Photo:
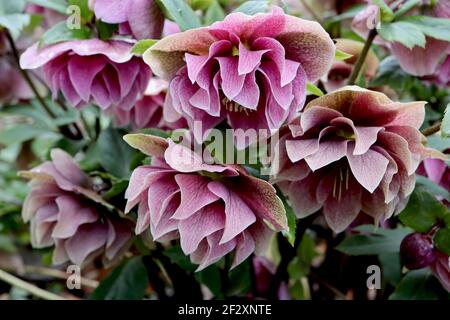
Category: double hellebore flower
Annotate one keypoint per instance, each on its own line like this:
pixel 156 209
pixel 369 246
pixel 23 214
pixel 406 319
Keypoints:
pixel 62 214
pixel 148 111
pixel 340 70
pixel 352 151
pixel 251 70
pixel 212 209
pixel 141 18
pixel 91 71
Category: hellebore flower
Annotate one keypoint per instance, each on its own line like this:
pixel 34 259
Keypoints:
pixel 61 214
pixel 141 18
pixel 212 209
pixel 251 70
pixel 352 151
pixel 148 112
pixel 340 70
pixel 441 269
pixel 101 72
pixel 417 61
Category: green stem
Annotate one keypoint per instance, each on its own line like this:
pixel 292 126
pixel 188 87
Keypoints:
pixel 19 283
pixel 362 57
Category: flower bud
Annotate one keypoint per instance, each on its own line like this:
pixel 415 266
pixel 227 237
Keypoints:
pixel 417 251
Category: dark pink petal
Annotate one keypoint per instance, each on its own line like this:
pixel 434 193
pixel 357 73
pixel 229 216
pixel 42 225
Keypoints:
pixel 248 59
pixel 82 72
pixel 86 241
pixel 328 152
pixel 232 82
pixel 145 19
pixel 112 11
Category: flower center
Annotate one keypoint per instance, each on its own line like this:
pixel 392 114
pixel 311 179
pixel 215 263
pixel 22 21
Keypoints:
pixel 340 181
pixel 346 134
pixel 232 106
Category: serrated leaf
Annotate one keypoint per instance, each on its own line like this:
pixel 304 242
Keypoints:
pixel 126 282
pixel 253 7
pixel 142 46
pixel 406 33
pixel 60 32
pixel 433 27
pixel 445 126
pixel 313 89
pixel 376 242
pixel 181 13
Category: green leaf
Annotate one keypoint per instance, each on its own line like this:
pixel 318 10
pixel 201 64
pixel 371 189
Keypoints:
pixel 83 5
pixel 60 32
pixel 341 55
pixel 20 133
pixel 416 285
pixel 437 28
pixel 7 244
pixel 240 279
pixel 126 282
pixel 214 13
pixel 387 14
pixel 56 5
pixel 432 187
pixel 105 30
pixel 406 33
pixel 423 211
pixel 115 154
pixel 438 142
pixel 15 23
pixel 300 266
pixel 391 266
pixel 313 89
pixel 390 73
pixel 442 240
pixel 253 7
pixel 181 13
pixel 211 278
pixel 177 256
pixel 142 46
pixel 291 218
pixel 445 126
pixel 376 242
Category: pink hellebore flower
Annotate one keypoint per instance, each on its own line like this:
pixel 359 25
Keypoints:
pixel 441 269
pixel 416 61
pixel 148 112
pixel 101 72
pixel 61 213
pixel 437 171
pixel 212 209
pixel 251 70
pixel 352 151
pixel 141 18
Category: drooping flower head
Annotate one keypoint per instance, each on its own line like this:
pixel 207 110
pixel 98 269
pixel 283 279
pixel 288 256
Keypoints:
pixel 91 71
pixel 352 151
pixel 251 70
pixel 340 71
pixel 212 209
pixel 141 18
pixel 418 60
pixel 148 111
pixel 61 213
